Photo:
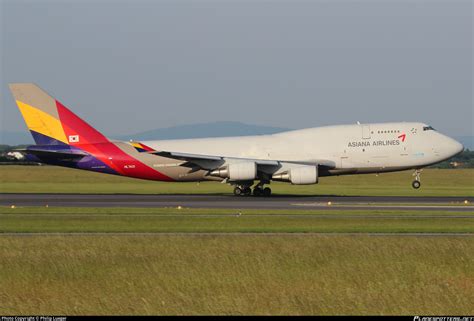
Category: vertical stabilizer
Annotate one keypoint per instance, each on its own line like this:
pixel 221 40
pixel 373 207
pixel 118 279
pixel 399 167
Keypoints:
pixel 49 121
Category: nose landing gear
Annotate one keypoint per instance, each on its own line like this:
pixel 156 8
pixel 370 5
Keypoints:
pixel 416 184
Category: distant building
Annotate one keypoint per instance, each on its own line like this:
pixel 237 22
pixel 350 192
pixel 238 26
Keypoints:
pixel 456 164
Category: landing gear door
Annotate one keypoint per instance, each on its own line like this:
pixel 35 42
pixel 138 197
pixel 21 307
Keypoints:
pixel 365 131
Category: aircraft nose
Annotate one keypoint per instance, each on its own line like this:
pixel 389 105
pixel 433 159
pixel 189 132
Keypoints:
pixel 456 147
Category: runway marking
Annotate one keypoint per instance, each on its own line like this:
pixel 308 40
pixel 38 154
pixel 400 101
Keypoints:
pixel 382 205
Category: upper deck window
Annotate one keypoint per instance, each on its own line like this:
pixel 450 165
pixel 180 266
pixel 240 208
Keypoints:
pixel 428 128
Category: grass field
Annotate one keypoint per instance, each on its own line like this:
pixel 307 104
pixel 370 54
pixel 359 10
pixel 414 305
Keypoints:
pixel 173 220
pixel 50 179
pixel 236 275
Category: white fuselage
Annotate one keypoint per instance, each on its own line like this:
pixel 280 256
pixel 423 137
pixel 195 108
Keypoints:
pixel 358 148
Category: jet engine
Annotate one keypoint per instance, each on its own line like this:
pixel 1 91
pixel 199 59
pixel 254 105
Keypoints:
pixel 301 175
pixel 244 171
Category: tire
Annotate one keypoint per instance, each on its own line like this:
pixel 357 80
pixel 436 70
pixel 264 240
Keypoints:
pixel 416 184
pixel 257 192
pixel 247 191
pixel 237 191
pixel 267 191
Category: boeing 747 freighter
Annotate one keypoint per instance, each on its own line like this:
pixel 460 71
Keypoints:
pixel 298 156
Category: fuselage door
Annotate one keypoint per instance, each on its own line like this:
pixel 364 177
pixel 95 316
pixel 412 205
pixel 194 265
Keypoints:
pixel 365 131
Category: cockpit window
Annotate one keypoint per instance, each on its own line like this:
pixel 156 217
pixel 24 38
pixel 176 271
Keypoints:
pixel 428 128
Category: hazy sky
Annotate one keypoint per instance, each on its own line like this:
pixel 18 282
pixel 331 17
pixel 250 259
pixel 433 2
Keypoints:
pixel 128 66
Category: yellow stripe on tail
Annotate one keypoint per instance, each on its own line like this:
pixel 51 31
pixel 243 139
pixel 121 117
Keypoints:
pixel 42 122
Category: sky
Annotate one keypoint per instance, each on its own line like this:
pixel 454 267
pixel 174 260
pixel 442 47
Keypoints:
pixel 130 66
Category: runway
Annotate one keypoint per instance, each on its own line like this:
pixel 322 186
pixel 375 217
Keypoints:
pixel 323 202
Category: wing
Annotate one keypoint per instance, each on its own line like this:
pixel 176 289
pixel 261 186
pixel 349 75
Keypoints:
pixel 220 165
pixel 262 162
pixel 213 162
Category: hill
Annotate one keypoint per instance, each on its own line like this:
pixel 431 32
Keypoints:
pixel 214 129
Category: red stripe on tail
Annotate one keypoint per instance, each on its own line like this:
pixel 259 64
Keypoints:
pixel 84 136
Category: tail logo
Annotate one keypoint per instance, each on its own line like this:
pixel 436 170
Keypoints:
pixel 51 123
pixel 73 138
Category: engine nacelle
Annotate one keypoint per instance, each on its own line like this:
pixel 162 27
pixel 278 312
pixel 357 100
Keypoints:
pixel 301 175
pixel 244 171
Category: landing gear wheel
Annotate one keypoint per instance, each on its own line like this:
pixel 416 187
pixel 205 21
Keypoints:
pixel 416 184
pixel 238 191
pixel 247 191
pixel 267 191
pixel 257 191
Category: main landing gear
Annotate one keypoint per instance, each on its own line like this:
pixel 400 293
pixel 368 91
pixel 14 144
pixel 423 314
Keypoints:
pixel 258 190
pixel 416 183
pixel 242 190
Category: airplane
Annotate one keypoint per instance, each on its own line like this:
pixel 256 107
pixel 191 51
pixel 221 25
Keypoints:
pixel 298 157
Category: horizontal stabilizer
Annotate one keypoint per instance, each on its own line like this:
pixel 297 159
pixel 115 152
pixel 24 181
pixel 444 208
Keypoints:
pixel 64 154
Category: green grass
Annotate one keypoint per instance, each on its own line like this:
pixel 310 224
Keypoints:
pixel 50 179
pixel 33 220
pixel 236 275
